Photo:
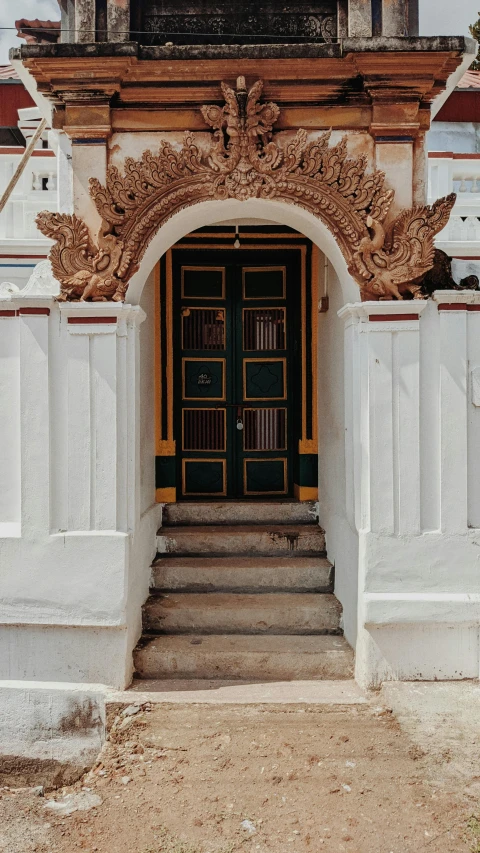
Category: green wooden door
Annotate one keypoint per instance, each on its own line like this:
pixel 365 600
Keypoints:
pixel 235 319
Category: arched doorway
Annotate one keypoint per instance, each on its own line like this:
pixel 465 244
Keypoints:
pixel 327 435
pixel 290 241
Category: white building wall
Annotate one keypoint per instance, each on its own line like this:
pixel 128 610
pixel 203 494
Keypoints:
pixel 460 137
pixel 419 602
pixel 22 245
pixel 147 395
pixel 398 474
pixel 9 423
pixel 449 171
pixel 75 545
pixel 336 486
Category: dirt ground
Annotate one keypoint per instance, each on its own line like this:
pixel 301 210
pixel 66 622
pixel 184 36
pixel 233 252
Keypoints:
pixel 219 779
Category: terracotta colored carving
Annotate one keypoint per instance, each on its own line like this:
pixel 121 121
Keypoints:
pixel 390 264
pixel 85 271
pixel 244 161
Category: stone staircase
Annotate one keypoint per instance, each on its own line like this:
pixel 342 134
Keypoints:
pixel 242 591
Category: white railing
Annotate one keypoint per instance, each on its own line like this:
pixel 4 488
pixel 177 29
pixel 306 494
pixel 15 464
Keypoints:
pixel 459 173
pixel 35 191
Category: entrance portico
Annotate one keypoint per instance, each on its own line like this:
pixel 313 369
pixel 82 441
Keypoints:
pixel 97 398
pixel 391 477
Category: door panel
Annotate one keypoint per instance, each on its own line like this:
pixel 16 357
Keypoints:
pixel 204 378
pixel 204 478
pixel 234 368
pixel 264 329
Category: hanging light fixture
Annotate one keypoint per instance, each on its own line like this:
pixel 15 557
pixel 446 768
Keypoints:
pixel 236 244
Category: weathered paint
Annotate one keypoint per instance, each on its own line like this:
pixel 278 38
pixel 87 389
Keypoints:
pixel 118 20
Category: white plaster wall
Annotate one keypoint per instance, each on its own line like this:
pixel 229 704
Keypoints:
pixel 416 449
pixel 49 734
pixel 147 396
pixel 18 273
pixel 399 432
pixel 143 542
pixel 461 137
pixel 9 422
pixel 341 535
pixel 76 542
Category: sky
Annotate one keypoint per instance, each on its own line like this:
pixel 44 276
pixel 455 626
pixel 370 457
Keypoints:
pixel 446 18
pixel 12 10
pixel 437 17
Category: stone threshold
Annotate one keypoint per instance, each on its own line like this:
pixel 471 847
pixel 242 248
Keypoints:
pixel 240 693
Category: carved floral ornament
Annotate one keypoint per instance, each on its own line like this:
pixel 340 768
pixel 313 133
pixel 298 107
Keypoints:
pixel 244 161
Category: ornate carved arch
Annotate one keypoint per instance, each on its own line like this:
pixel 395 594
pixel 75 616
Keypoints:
pixel 244 161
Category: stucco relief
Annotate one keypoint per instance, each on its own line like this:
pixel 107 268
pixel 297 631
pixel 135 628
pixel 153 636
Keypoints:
pixel 244 161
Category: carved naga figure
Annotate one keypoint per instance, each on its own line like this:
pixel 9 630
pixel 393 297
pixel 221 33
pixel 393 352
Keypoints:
pixel 391 263
pixel 84 270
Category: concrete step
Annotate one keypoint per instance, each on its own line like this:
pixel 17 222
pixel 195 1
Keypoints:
pixel 242 574
pixel 265 658
pixel 261 540
pixel 237 613
pixel 239 512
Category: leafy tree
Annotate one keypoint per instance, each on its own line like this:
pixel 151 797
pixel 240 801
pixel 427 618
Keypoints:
pixel 475 31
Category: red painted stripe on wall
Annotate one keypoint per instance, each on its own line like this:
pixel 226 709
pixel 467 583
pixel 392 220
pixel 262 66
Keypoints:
pixel 452 306
pixel 40 311
pixel 88 320
pixel 8 313
pixel 382 318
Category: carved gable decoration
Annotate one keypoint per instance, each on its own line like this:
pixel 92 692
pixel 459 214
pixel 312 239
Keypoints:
pixel 244 161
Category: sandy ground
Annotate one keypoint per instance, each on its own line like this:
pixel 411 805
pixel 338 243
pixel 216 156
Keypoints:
pixel 219 779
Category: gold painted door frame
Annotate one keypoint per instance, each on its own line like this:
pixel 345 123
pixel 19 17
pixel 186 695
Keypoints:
pixel 164 365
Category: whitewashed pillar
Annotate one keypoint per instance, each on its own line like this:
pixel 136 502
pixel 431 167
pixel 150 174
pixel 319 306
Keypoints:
pixel 473 406
pixel 34 321
pixel 25 415
pixel 10 504
pixel 452 309
pixel 97 432
pixel 440 175
pixel 383 415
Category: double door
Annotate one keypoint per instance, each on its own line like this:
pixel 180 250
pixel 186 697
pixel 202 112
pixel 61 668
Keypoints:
pixel 234 351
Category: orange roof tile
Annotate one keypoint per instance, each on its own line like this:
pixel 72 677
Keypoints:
pixel 470 80
pixel 38 32
pixel 7 72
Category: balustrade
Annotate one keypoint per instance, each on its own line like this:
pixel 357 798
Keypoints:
pixel 458 173
pixel 35 191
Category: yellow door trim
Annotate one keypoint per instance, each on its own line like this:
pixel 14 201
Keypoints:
pixel 305 493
